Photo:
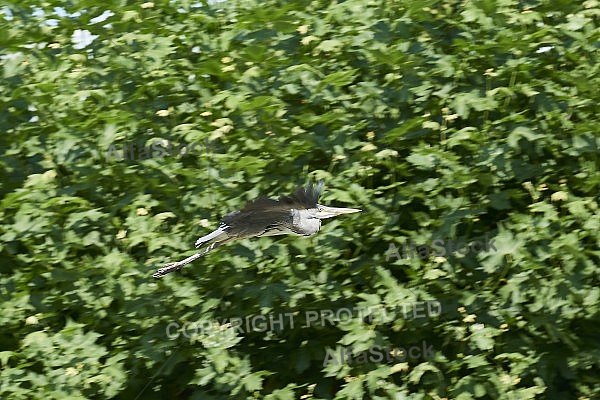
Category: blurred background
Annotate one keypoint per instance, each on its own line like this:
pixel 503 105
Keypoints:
pixel 441 120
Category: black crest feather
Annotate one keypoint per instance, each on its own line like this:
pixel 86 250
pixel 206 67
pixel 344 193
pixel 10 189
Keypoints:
pixel 304 197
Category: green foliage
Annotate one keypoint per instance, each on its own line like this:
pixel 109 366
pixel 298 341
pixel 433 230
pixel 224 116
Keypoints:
pixel 440 119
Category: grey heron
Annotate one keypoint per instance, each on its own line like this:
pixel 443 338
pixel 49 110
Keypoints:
pixel 297 214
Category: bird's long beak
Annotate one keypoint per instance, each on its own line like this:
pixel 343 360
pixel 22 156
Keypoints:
pixel 328 212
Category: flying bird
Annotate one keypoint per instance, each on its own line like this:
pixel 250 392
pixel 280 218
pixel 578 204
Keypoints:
pixel 297 214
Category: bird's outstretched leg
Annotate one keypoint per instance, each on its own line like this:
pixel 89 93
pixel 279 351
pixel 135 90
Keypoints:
pixel 174 266
pixel 219 235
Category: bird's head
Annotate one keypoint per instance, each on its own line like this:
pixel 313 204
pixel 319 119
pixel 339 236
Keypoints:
pixel 322 212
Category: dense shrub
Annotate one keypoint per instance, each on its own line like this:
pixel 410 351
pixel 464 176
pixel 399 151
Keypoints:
pixel 442 120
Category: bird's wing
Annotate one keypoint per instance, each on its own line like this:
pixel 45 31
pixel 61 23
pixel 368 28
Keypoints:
pixel 254 220
pixel 263 216
pixel 302 198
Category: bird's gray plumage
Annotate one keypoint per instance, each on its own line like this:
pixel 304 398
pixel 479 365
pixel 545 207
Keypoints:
pixel 297 214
